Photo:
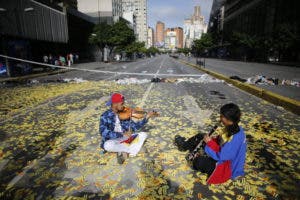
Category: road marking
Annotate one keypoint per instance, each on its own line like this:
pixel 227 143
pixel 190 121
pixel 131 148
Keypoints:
pixel 3 163
pixel 194 113
pixel 145 96
pixel 20 175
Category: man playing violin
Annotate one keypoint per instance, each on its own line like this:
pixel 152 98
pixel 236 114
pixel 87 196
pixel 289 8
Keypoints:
pixel 115 132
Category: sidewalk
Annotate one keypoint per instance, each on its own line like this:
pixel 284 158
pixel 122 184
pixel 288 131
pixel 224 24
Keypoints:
pixel 245 70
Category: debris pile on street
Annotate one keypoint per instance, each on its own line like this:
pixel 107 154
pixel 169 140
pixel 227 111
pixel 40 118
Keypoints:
pixel 201 79
pixel 74 80
pixel 127 81
pixel 65 80
pixel 291 82
pixel 263 80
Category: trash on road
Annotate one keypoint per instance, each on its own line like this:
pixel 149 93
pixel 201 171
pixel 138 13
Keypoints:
pixel 202 79
pixel 262 80
pixel 74 80
pixel 238 79
pixel 65 80
pixel 291 82
pixel 128 81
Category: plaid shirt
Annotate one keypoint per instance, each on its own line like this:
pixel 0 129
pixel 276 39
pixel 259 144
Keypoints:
pixel 107 126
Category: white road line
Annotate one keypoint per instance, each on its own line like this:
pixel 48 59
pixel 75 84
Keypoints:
pixel 3 163
pixel 20 175
pixel 145 96
pixel 100 71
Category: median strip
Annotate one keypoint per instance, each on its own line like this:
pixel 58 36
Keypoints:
pixel 285 102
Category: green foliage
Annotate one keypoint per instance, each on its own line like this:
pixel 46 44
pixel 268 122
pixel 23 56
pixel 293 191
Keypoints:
pixel 121 34
pixel 244 40
pixel 135 47
pixel 281 42
pixel 118 35
pixel 200 45
pixel 152 51
pixel 101 35
pixel 184 50
pixel 285 37
pixel 120 38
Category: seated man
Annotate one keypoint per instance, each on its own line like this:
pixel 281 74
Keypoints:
pixel 225 154
pixel 115 131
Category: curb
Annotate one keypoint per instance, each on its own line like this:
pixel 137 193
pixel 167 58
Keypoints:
pixel 20 78
pixel 285 102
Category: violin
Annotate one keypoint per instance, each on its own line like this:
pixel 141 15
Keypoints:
pixel 136 113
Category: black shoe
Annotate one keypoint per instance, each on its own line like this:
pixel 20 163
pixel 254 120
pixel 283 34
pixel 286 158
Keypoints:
pixel 180 143
pixel 120 158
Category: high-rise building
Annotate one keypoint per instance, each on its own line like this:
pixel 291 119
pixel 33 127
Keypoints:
pixel 150 40
pixel 174 38
pixel 138 10
pixel 263 20
pixel 194 27
pixel 108 11
pixel 160 34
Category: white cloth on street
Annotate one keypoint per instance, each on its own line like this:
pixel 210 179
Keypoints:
pixel 115 145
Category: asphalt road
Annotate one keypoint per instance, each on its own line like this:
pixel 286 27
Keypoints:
pixel 49 144
pixel 249 69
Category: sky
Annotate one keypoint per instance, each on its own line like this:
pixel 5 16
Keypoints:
pixel 173 12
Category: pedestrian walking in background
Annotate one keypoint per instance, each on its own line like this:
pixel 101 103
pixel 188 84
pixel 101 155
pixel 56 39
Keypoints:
pixel 62 61
pixel 45 59
pixel 72 58
pixel 69 60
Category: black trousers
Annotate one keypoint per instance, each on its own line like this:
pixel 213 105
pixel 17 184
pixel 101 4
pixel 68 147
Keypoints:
pixel 204 164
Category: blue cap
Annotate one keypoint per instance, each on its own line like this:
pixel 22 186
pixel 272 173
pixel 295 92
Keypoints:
pixel 109 102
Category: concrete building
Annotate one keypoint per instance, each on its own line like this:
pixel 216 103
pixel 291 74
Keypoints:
pixel 150 40
pixel 174 38
pixel 108 11
pixel 194 27
pixel 160 34
pixel 31 29
pixel 131 18
pixel 138 11
pixel 259 18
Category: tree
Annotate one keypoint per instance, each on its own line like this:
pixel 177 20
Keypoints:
pixel 200 45
pixel 285 40
pixel 152 51
pixel 134 47
pixel 121 35
pixel 101 36
pixel 184 50
pixel 246 42
pixel 114 37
